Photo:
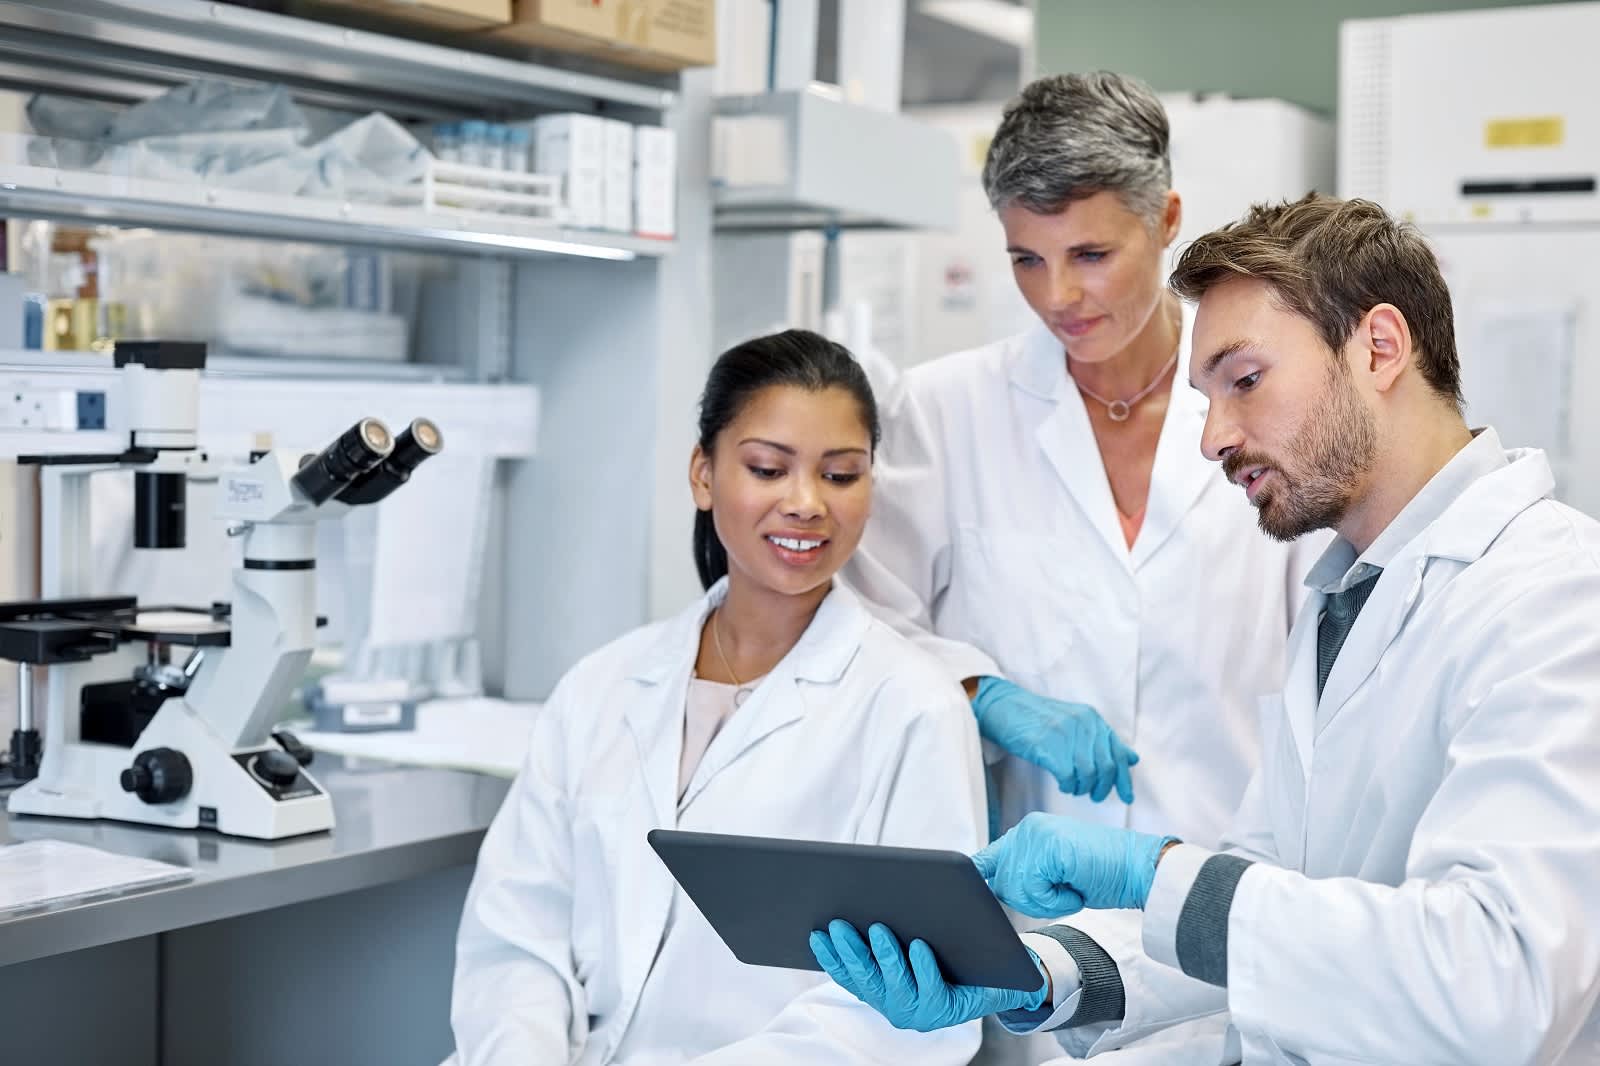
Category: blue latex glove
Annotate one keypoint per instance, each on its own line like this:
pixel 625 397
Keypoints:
pixel 1070 740
pixel 1051 865
pixel 914 995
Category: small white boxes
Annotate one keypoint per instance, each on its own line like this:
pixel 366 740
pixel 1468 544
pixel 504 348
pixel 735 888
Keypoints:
pixel 572 147
pixel 655 184
pixel 618 176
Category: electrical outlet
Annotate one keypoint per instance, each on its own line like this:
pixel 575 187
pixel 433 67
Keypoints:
pixel 91 410
pixel 24 410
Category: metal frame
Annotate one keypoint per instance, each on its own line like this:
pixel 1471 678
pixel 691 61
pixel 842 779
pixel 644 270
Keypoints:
pixel 64 563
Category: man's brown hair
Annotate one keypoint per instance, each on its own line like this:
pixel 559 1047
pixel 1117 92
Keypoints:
pixel 1331 261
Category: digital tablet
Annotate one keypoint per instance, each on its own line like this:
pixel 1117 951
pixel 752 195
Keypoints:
pixel 764 896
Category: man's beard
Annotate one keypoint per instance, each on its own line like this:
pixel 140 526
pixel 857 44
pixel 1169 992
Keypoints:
pixel 1326 460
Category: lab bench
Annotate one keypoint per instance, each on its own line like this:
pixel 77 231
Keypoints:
pixel 330 948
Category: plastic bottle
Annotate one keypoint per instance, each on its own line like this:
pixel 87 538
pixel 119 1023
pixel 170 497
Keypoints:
pixel 474 143
pixel 447 142
pixel 518 162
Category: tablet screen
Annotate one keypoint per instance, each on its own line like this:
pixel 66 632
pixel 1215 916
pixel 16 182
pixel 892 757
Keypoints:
pixel 764 896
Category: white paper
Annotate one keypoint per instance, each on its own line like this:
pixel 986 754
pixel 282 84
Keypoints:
pixel 429 554
pixel 482 735
pixel 38 873
pixel 1516 372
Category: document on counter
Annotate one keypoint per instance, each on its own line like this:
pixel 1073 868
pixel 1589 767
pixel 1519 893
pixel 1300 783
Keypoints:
pixel 43 873
pixel 485 736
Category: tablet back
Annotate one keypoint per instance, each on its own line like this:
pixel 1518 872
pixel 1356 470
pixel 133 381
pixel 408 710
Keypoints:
pixel 764 896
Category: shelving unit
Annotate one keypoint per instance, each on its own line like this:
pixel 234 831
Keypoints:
pixel 612 330
pixel 596 341
pixel 135 48
pixel 102 199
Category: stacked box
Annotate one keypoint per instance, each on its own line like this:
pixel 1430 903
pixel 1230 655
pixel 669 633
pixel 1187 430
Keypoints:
pixel 572 147
pixel 619 176
pixel 655 182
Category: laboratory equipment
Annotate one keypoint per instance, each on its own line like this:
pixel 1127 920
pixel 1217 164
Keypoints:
pixel 131 735
pixel 1503 183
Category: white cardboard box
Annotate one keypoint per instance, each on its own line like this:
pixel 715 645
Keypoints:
pixel 572 147
pixel 655 182
pixel 619 176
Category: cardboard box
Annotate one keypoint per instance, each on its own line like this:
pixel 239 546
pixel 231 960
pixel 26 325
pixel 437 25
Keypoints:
pixel 586 26
pixel 444 14
pixel 663 35
pixel 673 34
pixel 618 175
pixel 572 147
pixel 655 182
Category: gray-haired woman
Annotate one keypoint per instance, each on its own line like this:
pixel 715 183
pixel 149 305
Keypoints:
pixel 1044 519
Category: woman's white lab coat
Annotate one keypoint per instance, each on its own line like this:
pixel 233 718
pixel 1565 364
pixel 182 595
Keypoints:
pixel 994 528
pixel 576 945
pixel 1427 836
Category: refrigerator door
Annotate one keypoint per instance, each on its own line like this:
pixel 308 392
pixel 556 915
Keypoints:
pixel 1529 343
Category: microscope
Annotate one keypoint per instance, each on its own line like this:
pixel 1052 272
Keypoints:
pixel 129 734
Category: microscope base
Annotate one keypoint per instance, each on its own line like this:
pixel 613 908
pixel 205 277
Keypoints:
pixel 230 791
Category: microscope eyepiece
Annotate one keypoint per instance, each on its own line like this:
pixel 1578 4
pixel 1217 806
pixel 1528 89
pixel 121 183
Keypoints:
pixel 417 442
pixel 420 440
pixel 356 451
pixel 375 436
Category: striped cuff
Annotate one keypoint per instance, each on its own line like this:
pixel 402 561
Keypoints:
pixel 1103 999
pixel 1202 934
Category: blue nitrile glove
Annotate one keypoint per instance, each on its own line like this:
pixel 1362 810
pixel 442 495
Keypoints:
pixel 1051 865
pixel 913 996
pixel 1070 740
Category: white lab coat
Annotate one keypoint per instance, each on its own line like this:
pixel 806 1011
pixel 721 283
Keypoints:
pixel 576 944
pixel 1427 837
pixel 994 529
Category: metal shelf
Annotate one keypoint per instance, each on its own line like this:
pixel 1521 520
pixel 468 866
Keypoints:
pixel 221 362
pixel 801 160
pixel 133 48
pixel 236 399
pixel 99 199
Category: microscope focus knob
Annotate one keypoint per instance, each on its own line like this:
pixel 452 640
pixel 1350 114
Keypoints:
pixel 160 775
pixel 277 767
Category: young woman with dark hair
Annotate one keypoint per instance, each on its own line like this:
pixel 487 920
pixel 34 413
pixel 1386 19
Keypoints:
pixel 773 706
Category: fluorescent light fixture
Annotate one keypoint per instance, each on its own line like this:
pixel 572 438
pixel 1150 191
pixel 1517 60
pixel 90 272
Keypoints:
pixel 481 239
pixel 1011 23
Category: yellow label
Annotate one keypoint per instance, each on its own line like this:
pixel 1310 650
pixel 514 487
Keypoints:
pixel 1482 210
pixel 980 149
pixel 1546 131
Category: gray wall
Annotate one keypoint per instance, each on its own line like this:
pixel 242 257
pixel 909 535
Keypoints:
pixel 1287 49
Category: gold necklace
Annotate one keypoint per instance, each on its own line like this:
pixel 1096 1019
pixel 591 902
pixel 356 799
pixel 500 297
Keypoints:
pixel 740 692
